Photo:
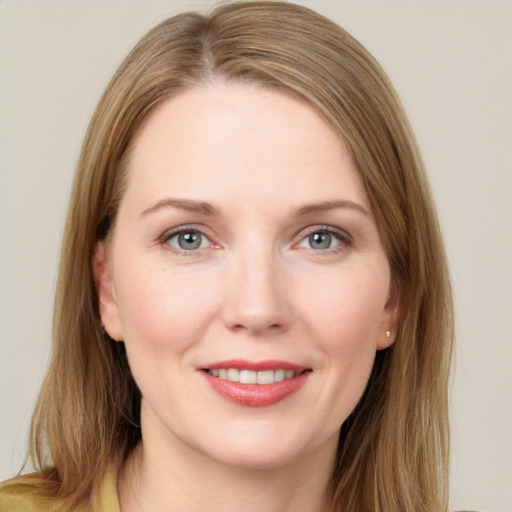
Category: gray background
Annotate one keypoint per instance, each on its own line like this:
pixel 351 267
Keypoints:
pixel 451 61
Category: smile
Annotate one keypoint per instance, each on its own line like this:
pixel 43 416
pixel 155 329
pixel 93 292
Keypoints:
pixel 255 384
pixel 264 377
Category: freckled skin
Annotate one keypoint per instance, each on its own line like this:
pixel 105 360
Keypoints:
pixel 256 289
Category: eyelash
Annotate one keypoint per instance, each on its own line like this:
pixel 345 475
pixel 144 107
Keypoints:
pixel 345 239
pixel 169 235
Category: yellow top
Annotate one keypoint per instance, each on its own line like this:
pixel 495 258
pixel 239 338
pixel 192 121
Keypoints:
pixel 17 495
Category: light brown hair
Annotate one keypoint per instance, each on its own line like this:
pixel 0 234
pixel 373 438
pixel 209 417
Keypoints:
pixel 393 449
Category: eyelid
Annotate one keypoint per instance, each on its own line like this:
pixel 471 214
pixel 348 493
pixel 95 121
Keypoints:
pixel 167 235
pixel 342 235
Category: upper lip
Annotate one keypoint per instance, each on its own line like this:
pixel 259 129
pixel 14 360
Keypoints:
pixel 257 366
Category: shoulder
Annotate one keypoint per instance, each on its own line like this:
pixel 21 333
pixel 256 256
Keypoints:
pixel 28 493
pixel 22 494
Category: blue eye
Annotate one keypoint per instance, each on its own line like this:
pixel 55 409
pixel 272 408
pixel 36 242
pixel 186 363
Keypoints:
pixel 324 239
pixel 189 240
pixel 320 241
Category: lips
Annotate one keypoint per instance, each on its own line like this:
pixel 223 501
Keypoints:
pixel 255 384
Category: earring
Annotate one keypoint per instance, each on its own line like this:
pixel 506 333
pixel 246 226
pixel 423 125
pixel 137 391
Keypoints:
pixel 388 334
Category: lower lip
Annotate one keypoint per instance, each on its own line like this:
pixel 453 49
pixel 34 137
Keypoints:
pixel 256 395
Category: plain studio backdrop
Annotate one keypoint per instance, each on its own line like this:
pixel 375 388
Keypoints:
pixel 451 62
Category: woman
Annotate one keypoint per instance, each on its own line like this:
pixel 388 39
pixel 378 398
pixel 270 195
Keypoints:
pixel 253 306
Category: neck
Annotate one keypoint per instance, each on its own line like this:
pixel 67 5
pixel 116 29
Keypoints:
pixel 174 477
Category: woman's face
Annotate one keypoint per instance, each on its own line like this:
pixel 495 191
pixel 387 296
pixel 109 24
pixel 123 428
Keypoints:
pixel 246 277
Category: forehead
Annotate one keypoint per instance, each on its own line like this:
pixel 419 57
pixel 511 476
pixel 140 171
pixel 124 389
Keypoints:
pixel 240 137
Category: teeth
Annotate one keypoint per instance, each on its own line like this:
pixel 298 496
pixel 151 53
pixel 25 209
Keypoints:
pixel 233 375
pixel 266 377
pixel 247 377
pixel 279 375
pixel 252 377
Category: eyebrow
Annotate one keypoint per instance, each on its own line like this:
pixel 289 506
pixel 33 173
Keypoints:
pixel 330 205
pixel 205 208
pixel 189 205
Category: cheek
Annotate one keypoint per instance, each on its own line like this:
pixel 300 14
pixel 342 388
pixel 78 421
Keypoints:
pixel 163 308
pixel 345 331
pixel 347 308
pixel 164 313
pixel 344 319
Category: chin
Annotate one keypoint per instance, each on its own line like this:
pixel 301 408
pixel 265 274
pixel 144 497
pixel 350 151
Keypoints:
pixel 254 458
pixel 263 448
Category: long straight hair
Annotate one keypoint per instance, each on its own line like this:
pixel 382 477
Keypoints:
pixel 393 449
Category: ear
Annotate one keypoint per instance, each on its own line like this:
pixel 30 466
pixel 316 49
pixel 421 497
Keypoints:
pixel 109 311
pixel 390 317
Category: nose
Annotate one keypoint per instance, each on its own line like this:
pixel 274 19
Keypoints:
pixel 257 297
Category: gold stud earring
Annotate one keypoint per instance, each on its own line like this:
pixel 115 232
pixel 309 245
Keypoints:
pixel 388 334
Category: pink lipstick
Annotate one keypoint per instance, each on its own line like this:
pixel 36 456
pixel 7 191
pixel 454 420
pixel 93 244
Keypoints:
pixel 255 384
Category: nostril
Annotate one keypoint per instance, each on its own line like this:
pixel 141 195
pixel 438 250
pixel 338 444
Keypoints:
pixel 258 327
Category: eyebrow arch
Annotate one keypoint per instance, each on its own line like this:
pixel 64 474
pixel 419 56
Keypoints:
pixel 330 205
pixel 189 205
